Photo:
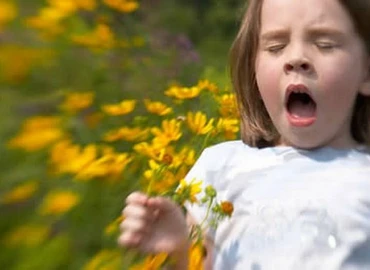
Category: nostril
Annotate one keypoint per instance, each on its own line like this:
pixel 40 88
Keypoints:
pixel 305 66
pixel 289 67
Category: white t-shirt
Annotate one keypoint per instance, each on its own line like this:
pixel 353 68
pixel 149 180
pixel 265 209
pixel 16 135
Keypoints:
pixel 293 209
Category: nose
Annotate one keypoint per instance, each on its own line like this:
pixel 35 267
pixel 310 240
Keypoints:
pixel 298 65
pixel 297 59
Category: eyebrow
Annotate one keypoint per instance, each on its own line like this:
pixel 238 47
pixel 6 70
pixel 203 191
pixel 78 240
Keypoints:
pixel 274 34
pixel 325 31
pixel 311 32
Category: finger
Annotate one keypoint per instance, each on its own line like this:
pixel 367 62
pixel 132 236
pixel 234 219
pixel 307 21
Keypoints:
pixel 130 240
pixel 139 212
pixel 135 226
pixel 137 198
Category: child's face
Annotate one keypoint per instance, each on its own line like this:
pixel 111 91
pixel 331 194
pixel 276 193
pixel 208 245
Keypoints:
pixel 310 47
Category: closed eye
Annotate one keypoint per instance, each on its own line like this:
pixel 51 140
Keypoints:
pixel 275 48
pixel 326 45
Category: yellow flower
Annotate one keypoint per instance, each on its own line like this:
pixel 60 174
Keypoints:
pixel 228 106
pixel 89 5
pixel 28 235
pixel 8 12
pixel 229 127
pixel 159 179
pixel 153 262
pixel 75 102
pixel 152 150
pixel 168 182
pixel 109 165
pixel 20 193
pixel 183 92
pixel 64 6
pixel 189 190
pixel 58 202
pixel 17 61
pixel 49 20
pixel 106 259
pixel 207 85
pixel 48 29
pixel 102 37
pixel 163 154
pixel 37 133
pixel 198 123
pixel 163 141
pixel 185 156
pixel 66 157
pixel 53 14
pixel 41 122
pixel 127 134
pixel 157 107
pixel 125 6
pixel 171 131
pixel 196 257
pixel 124 107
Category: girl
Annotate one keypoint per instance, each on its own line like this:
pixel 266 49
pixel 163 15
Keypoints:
pixel 300 177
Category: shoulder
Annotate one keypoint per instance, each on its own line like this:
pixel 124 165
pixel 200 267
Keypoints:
pixel 364 152
pixel 214 159
pixel 225 150
pixel 218 161
pixel 228 145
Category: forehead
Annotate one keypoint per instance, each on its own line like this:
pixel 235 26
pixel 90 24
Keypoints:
pixel 315 13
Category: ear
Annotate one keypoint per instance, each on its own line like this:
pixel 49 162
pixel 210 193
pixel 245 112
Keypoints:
pixel 365 87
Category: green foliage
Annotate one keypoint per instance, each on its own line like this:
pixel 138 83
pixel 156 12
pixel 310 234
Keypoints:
pixel 52 220
pixel 52 255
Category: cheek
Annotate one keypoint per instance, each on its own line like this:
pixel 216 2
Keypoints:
pixel 339 87
pixel 267 76
pixel 344 79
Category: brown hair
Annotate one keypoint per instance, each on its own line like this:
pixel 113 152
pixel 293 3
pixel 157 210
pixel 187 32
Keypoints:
pixel 257 128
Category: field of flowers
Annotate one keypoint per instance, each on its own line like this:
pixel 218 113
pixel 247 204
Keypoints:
pixel 100 98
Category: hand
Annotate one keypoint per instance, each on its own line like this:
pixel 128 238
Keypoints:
pixel 153 225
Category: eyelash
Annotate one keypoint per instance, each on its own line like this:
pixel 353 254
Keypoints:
pixel 325 45
pixel 275 48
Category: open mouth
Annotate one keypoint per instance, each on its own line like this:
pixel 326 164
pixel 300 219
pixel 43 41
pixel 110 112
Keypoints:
pixel 300 105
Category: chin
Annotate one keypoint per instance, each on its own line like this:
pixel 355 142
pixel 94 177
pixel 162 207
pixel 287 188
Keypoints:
pixel 303 144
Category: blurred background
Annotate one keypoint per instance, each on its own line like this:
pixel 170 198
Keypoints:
pixel 78 84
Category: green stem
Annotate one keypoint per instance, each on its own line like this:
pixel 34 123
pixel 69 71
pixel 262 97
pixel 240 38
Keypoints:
pixel 149 188
pixel 207 213
pixel 205 141
pixel 155 177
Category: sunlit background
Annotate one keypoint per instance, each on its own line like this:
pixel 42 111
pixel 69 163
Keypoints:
pixel 98 98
